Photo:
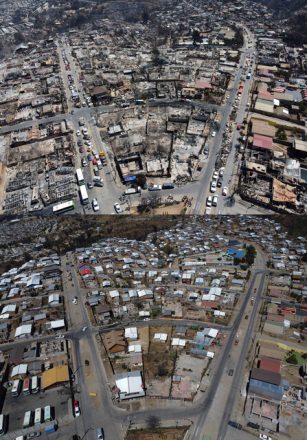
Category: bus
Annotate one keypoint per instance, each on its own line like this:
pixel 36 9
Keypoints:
pixel 26 386
pixel 17 384
pixel 3 424
pixel 38 416
pixel 48 414
pixel 34 385
pixel 63 207
pixel 80 178
pixel 83 195
pixel 28 419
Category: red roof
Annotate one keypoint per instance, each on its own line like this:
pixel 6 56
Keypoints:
pixel 264 142
pixel 202 84
pixel 270 364
pixel 265 95
pixel 209 304
pixel 85 272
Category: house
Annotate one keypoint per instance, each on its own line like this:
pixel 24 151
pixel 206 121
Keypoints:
pixel 23 331
pixel 114 342
pixel 129 385
pixel 54 376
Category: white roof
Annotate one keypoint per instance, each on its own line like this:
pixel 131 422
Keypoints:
pixel 215 291
pixel 178 342
pixel 131 333
pixel 9 308
pixel 162 337
pixel 135 348
pixel 98 269
pixel 213 332
pixel 144 292
pixel 5 316
pixel 130 384
pixel 19 369
pixel 58 323
pixel 34 279
pixel 24 329
pixel 144 313
pixel 208 297
pixel 210 354
pixel 54 297
pixel 219 313
pixel 114 293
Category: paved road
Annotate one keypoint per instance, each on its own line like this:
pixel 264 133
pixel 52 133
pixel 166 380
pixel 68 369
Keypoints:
pixel 232 165
pixel 204 181
pixel 210 394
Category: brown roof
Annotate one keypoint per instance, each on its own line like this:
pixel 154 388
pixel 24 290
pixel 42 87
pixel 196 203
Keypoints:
pixel 114 341
pixel 270 364
pixel 266 376
pixel 102 308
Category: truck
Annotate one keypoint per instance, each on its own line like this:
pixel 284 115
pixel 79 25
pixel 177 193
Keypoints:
pixel 51 428
pixel 132 191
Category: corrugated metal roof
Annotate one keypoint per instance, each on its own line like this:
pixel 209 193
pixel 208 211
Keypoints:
pixel 55 375
pixel 270 364
pixel 266 376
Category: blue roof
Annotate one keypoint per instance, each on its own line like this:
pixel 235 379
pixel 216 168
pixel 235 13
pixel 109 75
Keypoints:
pixel 130 178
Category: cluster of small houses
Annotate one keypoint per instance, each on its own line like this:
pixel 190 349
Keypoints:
pixel 31 299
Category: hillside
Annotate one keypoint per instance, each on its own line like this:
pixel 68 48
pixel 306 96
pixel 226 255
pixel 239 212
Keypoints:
pixel 295 12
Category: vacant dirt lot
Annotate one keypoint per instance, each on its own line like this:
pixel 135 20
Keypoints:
pixel 157 434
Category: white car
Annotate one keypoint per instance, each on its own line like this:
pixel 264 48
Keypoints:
pixel 209 201
pixel 225 191
pixel 95 205
pixel 155 188
pixel 78 133
pixel 214 201
pixel 117 208
pixel 213 134
pixel 264 437
pixel 213 186
pixel 215 175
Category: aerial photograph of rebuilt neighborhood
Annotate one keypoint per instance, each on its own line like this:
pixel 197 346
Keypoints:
pixel 153 219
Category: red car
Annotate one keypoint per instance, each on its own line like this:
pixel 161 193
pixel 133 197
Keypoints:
pixel 81 149
pixel 76 408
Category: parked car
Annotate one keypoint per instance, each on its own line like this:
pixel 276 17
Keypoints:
pixel 95 205
pixel 117 208
pixel 225 191
pixel 219 182
pixel 100 434
pixel 90 185
pixel 213 186
pixel 76 408
pixel 81 150
pixel 155 188
pixel 214 201
pixel 264 437
pixel 209 201
pixel 34 434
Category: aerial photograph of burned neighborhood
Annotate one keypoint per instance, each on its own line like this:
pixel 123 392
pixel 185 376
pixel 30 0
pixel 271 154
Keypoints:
pixel 134 107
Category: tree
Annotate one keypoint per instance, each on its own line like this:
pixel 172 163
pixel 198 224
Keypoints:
pixel 281 134
pixel 153 422
pixel 250 255
pixel 196 36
